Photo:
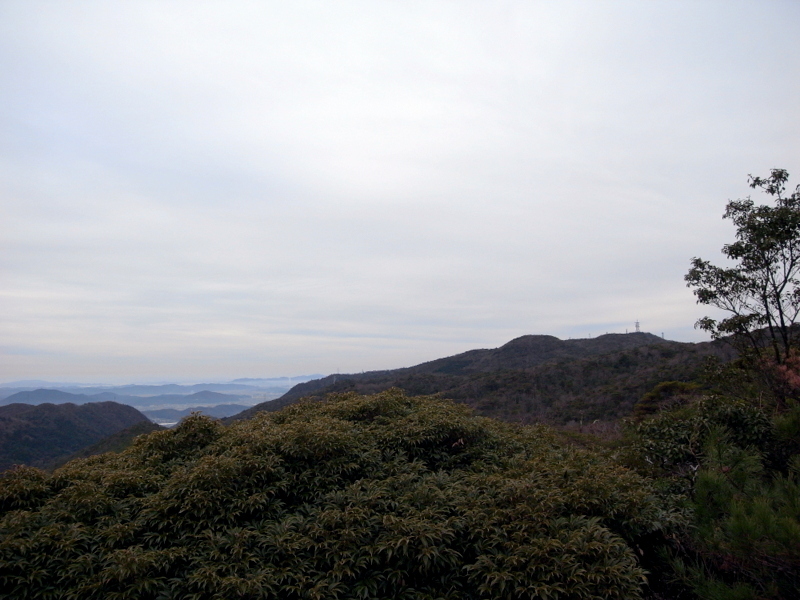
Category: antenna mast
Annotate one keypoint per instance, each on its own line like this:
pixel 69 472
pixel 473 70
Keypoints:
pixel 637 327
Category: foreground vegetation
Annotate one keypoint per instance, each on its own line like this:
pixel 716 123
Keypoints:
pixel 735 467
pixel 383 496
pixel 735 454
pixel 389 496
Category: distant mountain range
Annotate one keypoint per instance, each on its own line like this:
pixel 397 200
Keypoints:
pixel 534 377
pixel 37 435
pixel 257 381
pixel 57 397
pixel 250 387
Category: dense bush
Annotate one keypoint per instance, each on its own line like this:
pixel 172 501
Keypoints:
pixel 672 441
pixel 379 496
pixel 667 394
pixel 738 468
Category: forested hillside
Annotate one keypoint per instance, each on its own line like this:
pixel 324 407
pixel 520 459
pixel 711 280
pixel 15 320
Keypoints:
pixel 39 434
pixel 116 442
pixel 536 378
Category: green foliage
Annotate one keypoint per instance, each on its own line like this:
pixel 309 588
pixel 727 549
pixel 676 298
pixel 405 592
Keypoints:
pixel 664 395
pixel 762 289
pixel 116 442
pixel 761 293
pixel 671 443
pixel 380 496
pixel 747 536
pixel 787 437
pixel 737 467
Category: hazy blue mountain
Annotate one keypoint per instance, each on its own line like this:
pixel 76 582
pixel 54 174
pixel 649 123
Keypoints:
pixel 159 390
pixel 278 381
pixel 43 396
pixel 260 388
pixel 204 397
pixel 60 397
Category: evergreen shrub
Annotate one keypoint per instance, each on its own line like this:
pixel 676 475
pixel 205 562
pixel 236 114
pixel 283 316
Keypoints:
pixel 380 496
pixel 737 469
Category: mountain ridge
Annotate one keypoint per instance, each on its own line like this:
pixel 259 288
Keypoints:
pixel 532 377
pixel 54 396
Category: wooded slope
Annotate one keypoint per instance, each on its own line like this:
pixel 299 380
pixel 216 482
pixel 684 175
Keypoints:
pixel 534 378
pixel 36 435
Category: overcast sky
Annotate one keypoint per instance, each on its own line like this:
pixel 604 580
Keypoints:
pixel 209 190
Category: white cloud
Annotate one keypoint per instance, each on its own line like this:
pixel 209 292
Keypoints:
pixel 189 189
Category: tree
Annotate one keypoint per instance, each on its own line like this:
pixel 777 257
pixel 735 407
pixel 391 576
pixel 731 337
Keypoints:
pixel 761 292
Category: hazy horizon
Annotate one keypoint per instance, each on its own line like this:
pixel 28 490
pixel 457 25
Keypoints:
pixel 207 191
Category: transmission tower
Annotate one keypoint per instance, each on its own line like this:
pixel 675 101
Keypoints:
pixel 637 327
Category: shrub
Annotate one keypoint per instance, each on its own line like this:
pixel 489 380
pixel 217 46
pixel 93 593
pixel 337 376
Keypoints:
pixel 738 468
pixel 379 496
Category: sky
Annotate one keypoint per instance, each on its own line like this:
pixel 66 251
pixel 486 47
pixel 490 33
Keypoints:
pixel 200 191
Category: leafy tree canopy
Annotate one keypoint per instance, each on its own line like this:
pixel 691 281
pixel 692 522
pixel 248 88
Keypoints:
pixel 761 292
